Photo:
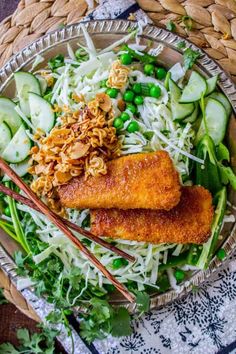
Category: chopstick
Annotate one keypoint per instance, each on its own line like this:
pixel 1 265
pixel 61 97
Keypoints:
pixel 59 223
pixel 20 198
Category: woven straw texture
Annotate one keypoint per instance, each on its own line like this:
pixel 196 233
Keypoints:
pixel 210 24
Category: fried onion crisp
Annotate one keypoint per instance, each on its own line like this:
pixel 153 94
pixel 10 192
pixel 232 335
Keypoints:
pixel 82 144
pixel 118 75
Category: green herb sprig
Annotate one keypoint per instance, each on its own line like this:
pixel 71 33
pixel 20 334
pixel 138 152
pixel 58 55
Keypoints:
pixel 37 343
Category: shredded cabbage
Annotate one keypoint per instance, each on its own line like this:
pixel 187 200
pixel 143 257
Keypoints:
pixel 144 271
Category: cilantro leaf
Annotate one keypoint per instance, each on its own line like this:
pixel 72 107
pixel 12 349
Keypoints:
pixel 7 348
pixel 190 56
pixel 23 336
pixel 120 323
pixel 143 302
pixel 188 22
pixel 181 45
pixel 148 135
pixel 171 26
pixel 37 343
pixel 56 62
pixel 19 259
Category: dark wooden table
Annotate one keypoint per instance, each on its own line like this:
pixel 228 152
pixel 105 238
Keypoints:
pixel 7 7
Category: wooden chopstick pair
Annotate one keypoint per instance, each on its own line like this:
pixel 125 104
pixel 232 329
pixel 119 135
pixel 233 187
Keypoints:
pixel 64 225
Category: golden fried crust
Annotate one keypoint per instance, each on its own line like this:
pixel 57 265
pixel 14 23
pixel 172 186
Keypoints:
pixel 189 222
pixel 147 181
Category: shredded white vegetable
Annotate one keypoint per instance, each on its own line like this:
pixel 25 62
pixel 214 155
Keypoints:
pixel 24 118
pixel 177 72
pixel 38 60
pixel 143 271
pixel 172 280
pixel 157 130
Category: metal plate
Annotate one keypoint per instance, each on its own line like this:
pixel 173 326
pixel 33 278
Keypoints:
pixel 103 34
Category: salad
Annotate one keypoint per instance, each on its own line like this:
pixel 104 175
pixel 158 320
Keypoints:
pixel 152 109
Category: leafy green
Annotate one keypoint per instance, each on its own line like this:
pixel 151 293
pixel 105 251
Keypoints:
pixel 120 323
pixel 222 153
pixel 181 45
pixel 148 135
pixel 8 348
pixel 171 26
pixel 207 175
pixel 190 56
pixel 188 22
pixel 86 221
pixel 2 298
pixel 214 173
pixel 19 235
pixel 37 343
pixel 143 302
pixel 81 55
pixel 227 175
pixel 209 248
pixel 102 319
pixel 56 62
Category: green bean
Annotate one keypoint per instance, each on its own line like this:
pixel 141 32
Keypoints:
pixel 16 223
pixel 174 261
pixel 145 58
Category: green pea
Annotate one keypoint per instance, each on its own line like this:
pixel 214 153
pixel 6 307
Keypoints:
pixel 126 59
pixel 161 73
pixel 149 69
pixel 133 127
pixel 118 123
pixel 124 116
pixel 221 254
pixel 137 88
pixel 103 83
pixel 138 100
pixel 128 96
pixel 117 263
pixel 155 91
pixel 7 211
pixel 112 92
pixel 131 107
pixel 179 275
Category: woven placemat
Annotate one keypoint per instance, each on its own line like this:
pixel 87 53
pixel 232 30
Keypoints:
pixel 210 24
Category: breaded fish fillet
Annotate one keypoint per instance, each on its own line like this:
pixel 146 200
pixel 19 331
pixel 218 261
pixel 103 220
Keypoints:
pixel 146 180
pixel 188 222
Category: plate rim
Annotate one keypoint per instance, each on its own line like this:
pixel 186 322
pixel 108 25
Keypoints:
pixel 52 39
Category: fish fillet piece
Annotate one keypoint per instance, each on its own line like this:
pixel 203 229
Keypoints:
pixel 188 222
pixel 147 180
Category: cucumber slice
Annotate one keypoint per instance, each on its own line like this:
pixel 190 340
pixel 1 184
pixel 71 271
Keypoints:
pixel 9 115
pixel 42 115
pixel 194 89
pixel 25 83
pixel 20 169
pixel 224 100
pixel 216 120
pixel 43 83
pixel 192 117
pixel 5 136
pixel 18 148
pixel 179 110
pixel 211 84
